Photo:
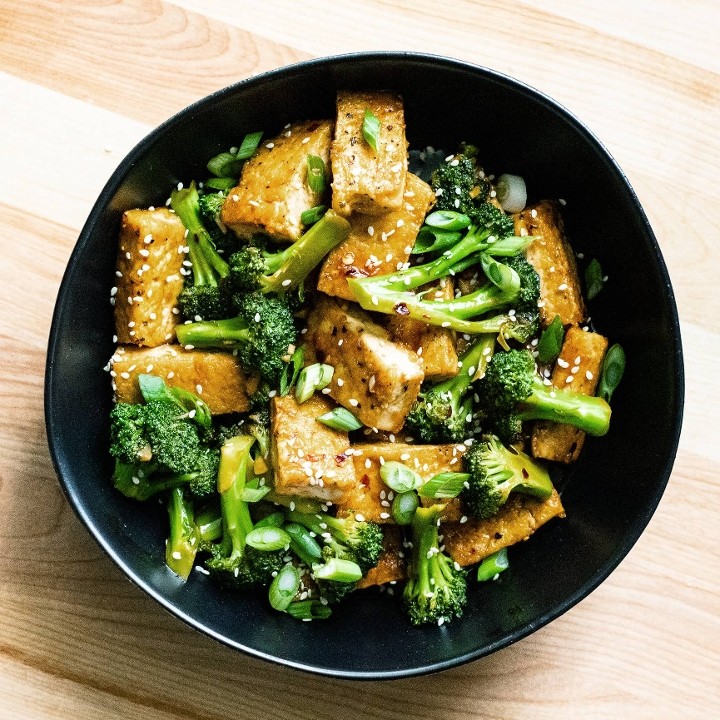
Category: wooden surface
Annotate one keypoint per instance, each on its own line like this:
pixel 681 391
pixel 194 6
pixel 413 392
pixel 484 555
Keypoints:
pixel 81 83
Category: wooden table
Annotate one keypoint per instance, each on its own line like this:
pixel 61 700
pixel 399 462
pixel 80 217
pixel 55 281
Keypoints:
pixel 81 83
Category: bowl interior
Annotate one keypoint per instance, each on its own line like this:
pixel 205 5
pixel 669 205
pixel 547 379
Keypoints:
pixel 609 494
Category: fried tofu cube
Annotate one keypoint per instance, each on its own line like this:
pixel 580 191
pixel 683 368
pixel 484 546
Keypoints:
pixel 392 564
pixel 310 459
pixel 578 369
pixel 553 259
pixel 371 498
pixel 378 244
pixel 436 346
pixel 469 542
pixel 216 377
pixel 377 380
pixel 365 180
pixel 273 191
pixel 150 257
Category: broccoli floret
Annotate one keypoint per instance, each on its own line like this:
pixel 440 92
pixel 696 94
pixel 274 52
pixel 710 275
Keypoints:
pixel 511 386
pixel 494 471
pixel 233 562
pixel 210 205
pixel 436 588
pixel 260 334
pixel 442 411
pixel 463 188
pixel 160 444
pixel 183 542
pixel 203 298
pixel 256 268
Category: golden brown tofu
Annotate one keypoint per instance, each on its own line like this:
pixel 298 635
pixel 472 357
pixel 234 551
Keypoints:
pixel 436 346
pixel 364 180
pixel 150 257
pixel 578 369
pixel 378 244
pixel 374 378
pixel 553 259
pixel 216 377
pixel 273 191
pixel 471 541
pixel 372 498
pixel 309 458
pixel 392 565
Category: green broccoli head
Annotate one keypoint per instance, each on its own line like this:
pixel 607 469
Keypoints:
pixel 495 471
pixel 247 266
pixel 203 302
pixel 129 441
pixel 244 570
pixel 438 415
pixel 436 588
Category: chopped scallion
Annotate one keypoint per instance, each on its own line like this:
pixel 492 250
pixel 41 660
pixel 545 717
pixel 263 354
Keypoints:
pixel 249 145
pixel 612 371
pixel 371 129
pixel 447 220
pixel 399 477
pixel 292 370
pixel 284 587
pixel 313 214
pixel 309 610
pixel 551 341
pixel 338 570
pixel 511 193
pixel 340 419
pixel 444 485
pixel 221 183
pixel 268 538
pixel 311 378
pixel 404 506
pixel 593 279
pixel 493 565
pixel 316 174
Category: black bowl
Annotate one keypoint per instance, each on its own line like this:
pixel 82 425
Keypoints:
pixel 609 495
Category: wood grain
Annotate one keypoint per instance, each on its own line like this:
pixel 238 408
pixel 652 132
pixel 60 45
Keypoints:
pixel 81 83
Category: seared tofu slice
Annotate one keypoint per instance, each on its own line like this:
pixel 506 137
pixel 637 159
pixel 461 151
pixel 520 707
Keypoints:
pixel 435 345
pixel 216 377
pixel 366 181
pixel 553 259
pixel 469 542
pixel 273 191
pixel 371 498
pixel 578 369
pixel 310 459
pixel 150 257
pixel 392 565
pixel 374 378
pixel 378 244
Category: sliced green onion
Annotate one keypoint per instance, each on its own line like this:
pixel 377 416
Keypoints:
pixel 248 146
pixel 509 246
pixel 551 341
pixel 400 477
pixel 253 494
pixel 316 174
pixel 221 183
pixel 284 587
pixel 612 371
pixel 292 370
pixel 275 519
pixel 444 485
pixel 594 280
pixel 371 129
pixel 311 378
pixel 209 525
pixel 493 565
pixel 447 220
pixel 404 506
pixel 224 164
pixel 338 570
pixel 340 418
pixel 511 193
pixel 311 216
pixel 501 275
pixel 309 610
pixel 303 544
pixel 430 239
pixel 268 538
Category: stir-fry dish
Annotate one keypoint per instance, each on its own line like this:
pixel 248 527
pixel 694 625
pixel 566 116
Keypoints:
pixel 341 363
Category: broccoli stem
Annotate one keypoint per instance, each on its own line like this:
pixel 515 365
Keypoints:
pixel 214 333
pixel 289 268
pixel 186 204
pixel 585 412
pixel 425 544
pixel 235 462
pixel 182 543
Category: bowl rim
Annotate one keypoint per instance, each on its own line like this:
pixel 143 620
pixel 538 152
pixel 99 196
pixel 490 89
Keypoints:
pixel 111 187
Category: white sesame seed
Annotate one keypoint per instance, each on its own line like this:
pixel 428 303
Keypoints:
pixel 353 402
pixel 199 389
